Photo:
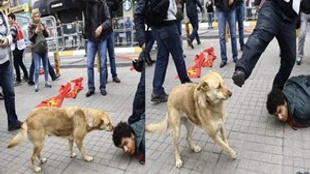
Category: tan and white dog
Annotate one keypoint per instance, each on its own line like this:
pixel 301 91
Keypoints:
pixel 196 104
pixel 72 123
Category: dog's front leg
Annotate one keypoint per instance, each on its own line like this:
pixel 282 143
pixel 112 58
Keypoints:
pixel 224 135
pixel 72 154
pixel 175 133
pixel 79 143
pixel 218 140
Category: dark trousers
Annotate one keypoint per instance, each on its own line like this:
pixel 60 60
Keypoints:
pixel 272 22
pixel 6 82
pixel 18 62
pixel 50 70
pixel 195 25
pixel 139 100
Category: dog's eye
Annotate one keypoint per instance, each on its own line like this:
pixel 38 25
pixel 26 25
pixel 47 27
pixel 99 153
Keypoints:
pixel 218 87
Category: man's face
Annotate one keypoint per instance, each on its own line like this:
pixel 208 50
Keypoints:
pixel 128 144
pixel 282 112
pixel 11 21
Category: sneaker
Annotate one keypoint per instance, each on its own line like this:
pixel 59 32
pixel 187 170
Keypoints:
pixel 47 85
pixel 17 83
pixel 15 126
pixel 159 98
pixel 89 93
pixel 190 44
pixel 30 83
pixel 298 62
pixel 36 88
pixel 116 80
pixel 239 77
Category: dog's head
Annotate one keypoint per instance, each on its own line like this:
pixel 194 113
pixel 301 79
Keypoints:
pixel 212 89
pixel 97 119
pixel 104 122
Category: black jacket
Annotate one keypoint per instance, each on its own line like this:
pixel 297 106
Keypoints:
pixel 209 7
pixel 285 7
pixel 191 7
pixel 96 14
pixel 222 5
pixel 113 7
pixel 305 6
pixel 139 22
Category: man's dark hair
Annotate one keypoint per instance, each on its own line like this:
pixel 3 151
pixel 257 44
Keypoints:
pixel 122 130
pixel 12 15
pixel 275 98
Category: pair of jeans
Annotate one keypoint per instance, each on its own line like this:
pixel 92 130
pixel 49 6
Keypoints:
pixel 210 19
pixel 18 62
pixel 50 70
pixel 92 48
pixel 195 25
pixel 239 10
pixel 272 22
pixel 168 42
pixel 111 51
pixel 139 101
pixel 128 37
pixel 222 18
pixel 6 82
pixel 37 64
pixel 304 20
pixel 149 39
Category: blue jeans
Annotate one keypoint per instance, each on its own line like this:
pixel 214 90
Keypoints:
pixel 195 25
pixel 50 70
pixel 222 18
pixel 111 51
pixel 271 23
pixel 37 65
pixel 210 20
pixel 149 42
pixel 139 101
pixel 6 82
pixel 128 37
pixel 168 41
pixel 239 10
pixel 92 48
pixel 304 20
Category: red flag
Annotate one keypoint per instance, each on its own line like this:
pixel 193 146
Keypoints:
pixel 211 57
pixel 77 88
pixel 56 101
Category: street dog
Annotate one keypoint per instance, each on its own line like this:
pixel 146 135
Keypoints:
pixel 196 104
pixel 72 123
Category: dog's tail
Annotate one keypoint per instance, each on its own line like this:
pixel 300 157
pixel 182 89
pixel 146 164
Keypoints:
pixel 160 127
pixel 22 134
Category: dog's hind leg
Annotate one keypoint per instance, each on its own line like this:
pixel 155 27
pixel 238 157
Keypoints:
pixel 175 122
pixel 219 141
pixel 190 129
pixel 37 147
pixel 72 154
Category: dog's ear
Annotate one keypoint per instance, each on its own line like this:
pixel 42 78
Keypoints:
pixel 203 86
pixel 101 122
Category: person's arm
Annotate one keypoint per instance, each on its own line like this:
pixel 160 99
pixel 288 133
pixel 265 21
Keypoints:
pixel 45 33
pixel 31 33
pixel 13 32
pixel 139 22
pixel 8 40
pixel 199 5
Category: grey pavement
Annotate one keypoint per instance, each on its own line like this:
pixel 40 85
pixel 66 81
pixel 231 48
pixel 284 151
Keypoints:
pixel 107 158
pixel 263 144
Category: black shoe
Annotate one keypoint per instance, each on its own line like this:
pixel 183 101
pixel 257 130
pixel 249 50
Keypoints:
pixel 15 126
pixel 223 63
pixel 159 98
pixel 30 83
pixel 103 92
pixel 149 61
pixel 89 93
pixel 198 42
pixel 116 80
pixel 17 83
pixel 235 60
pixel 190 44
pixel 56 77
pixel 239 77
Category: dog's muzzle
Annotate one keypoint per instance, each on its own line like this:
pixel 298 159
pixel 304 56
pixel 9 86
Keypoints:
pixel 229 93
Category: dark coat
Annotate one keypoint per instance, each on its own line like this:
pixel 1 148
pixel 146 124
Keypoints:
pixel 297 92
pixel 139 129
pixel 223 6
pixel 139 22
pixel 32 35
pixel 191 7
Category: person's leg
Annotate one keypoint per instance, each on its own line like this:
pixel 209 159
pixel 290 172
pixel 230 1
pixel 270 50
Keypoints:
pixel 239 18
pixel 210 20
pixel 194 34
pixel 36 58
pixel 31 71
pixel 91 53
pixel 232 28
pixel 102 48
pixel 45 67
pixel 174 46
pixel 162 61
pixel 302 35
pixel 139 100
pixel 149 39
pixel 111 51
pixel 221 17
pixel 287 41
pixel 268 24
pixel 6 82
pixel 16 66
pixel 51 70
pixel 21 63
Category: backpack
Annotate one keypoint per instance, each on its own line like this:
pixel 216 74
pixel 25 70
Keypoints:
pixel 156 12
pixel 40 45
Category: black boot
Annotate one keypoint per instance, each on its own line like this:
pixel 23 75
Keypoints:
pixel 149 61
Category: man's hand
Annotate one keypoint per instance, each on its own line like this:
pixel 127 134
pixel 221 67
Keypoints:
pixel 143 47
pixel 257 8
pixel 98 31
pixel 230 2
pixel 4 43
